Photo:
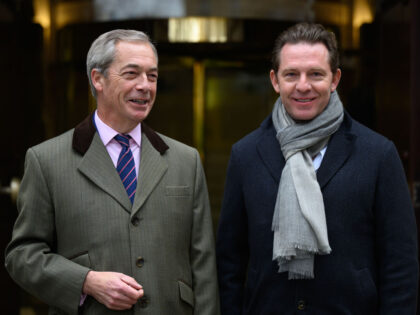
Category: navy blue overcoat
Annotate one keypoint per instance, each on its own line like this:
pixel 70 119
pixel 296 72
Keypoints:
pixel 373 266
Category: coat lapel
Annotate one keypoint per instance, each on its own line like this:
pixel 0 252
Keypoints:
pixel 269 150
pixel 97 165
pixel 338 151
pixel 152 168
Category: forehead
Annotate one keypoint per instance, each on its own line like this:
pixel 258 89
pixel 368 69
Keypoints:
pixel 299 54
pixel 134 52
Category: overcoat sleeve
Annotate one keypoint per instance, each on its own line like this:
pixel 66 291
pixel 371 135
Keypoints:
pixel 30 257
pixel 232 242
pixel 396 238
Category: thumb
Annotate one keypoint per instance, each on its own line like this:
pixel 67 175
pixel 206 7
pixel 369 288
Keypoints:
pixel 132 283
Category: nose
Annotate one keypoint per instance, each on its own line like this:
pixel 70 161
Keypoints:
pixel 142 83
pixel 303 84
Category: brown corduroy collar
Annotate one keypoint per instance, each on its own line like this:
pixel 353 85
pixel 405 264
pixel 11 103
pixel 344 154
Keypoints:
pixel 84 132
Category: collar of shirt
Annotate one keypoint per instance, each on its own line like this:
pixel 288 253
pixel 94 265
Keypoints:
pixel 107 134
pixel 318 158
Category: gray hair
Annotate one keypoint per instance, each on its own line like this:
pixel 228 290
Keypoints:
pixel 102 51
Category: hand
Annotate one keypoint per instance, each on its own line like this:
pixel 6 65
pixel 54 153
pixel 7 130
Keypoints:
pixel 115 290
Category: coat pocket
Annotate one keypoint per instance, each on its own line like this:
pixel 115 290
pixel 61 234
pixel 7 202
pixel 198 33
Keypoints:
pixel 178 191
pixel 186 293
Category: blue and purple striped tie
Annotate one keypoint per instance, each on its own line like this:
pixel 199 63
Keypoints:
pixel 126 167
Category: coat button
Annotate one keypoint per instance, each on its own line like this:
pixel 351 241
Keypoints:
pixel 135 221
pixel 139 261
pixel 143 301
pixel 301 304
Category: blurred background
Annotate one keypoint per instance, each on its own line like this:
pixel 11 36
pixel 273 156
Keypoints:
pixel 214 63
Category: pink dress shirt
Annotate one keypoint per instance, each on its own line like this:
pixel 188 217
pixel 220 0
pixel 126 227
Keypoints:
pixel 107 135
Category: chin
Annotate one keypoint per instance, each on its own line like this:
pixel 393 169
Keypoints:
pixel 141 113
pixel 303 116
pixel 140 118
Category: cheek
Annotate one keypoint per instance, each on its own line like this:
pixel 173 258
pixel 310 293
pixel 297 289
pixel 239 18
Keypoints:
pixel 153 89
pixel 286 89
pixel 327 93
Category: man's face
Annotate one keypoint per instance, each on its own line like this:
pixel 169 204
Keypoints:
pixel 126 95
pixel 304 79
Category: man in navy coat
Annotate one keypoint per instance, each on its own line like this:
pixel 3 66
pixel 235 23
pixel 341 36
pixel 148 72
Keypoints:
pixel 316 216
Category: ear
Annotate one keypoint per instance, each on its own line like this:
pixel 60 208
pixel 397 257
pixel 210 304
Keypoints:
pixel 97 79
pixel 335 80
pixel 274 81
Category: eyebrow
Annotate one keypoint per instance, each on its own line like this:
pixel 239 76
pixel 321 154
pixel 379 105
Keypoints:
pixel 319 70
pixel 132 65
pixel 289 70
pixel 310 69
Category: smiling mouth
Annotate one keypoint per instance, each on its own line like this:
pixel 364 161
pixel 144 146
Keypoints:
pixel 304 100
pixel 140 102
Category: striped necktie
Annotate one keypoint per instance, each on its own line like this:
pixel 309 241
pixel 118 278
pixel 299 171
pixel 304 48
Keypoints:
pixel 126 167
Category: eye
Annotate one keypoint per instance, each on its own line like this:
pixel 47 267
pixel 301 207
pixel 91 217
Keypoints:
pixel 290 76
pixel 152 77
pixel 317 74
pixel 130 74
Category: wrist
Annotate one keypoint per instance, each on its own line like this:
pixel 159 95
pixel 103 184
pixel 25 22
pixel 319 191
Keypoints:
pixel 87 283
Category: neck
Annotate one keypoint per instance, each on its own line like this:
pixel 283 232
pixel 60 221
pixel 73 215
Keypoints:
pixel 122 127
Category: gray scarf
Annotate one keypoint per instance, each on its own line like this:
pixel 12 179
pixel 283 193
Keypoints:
pixel 299 224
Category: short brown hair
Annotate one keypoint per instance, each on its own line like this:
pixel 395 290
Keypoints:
pixel 307 33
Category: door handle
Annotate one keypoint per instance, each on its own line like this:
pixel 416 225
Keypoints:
pixel 12 189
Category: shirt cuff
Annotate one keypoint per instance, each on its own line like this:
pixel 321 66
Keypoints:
pixel 82 299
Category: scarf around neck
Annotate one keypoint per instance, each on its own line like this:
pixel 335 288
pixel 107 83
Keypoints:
pixel 299 224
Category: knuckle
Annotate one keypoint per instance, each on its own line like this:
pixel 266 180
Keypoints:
pixel 113 297
pixel 112 303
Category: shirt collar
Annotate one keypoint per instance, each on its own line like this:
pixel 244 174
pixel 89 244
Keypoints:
pixel 107 133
